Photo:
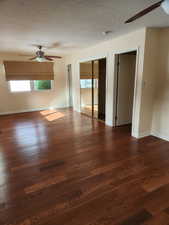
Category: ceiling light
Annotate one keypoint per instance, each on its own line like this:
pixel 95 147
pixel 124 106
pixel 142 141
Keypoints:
pixel 40 59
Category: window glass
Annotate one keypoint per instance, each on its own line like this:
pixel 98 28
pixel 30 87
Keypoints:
pixel 82 84
pixel 87 83
pixel 42 84
pixel 20 85
pixel 27 85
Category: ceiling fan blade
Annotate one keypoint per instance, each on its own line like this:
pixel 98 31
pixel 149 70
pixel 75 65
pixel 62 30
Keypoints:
pixel 33 58
pixel 56 57
pixel 48 58
pixel 145 11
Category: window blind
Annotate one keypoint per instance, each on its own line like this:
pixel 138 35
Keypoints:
pixel 17 70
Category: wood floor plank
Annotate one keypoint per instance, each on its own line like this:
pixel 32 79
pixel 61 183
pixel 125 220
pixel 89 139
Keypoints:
pixel 156 182
pixel 44 184
pixel 77 171
pixel 138 218
pixel 158 200
pixel 159 219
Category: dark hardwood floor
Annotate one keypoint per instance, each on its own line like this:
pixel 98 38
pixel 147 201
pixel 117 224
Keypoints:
pixel 62 168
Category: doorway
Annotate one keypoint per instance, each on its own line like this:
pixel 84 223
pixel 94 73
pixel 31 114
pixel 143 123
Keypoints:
pixel 69 72
pixel 124 88
pixel 93 88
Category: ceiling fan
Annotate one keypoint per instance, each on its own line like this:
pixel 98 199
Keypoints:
pixel 41 57
pixel 163 3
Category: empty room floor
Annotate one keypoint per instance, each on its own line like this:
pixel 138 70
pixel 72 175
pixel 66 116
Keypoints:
pixel 63 168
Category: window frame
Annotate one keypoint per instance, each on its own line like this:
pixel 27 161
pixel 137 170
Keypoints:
pixel 32 88
pixel 35 90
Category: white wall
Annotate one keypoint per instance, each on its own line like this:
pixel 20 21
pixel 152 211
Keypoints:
pixel 131 41
pixel 27 101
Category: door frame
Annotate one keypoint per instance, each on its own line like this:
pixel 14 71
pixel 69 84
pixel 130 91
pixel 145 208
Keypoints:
pixel 116 54
pixel 69 79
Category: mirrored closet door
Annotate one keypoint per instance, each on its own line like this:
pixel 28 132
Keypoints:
pixel 93 88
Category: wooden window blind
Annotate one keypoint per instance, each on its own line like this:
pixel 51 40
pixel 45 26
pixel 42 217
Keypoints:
pixel 17 70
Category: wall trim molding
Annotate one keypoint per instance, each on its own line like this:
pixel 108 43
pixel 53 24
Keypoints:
pixel 160 135
pixel 153 133
pixel 30 110
pixel 141 134
pixel 109 123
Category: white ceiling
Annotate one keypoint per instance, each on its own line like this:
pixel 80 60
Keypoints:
pixel 69 24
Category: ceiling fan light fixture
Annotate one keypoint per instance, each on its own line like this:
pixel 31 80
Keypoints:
pixel 40 59
pixel 165 6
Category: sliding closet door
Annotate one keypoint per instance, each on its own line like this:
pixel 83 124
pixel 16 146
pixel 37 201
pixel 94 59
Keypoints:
pixel 102 89
pixel 93 88
pixel 86 92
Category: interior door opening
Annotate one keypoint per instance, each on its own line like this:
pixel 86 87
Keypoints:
pixel 93 88
pixel 124 88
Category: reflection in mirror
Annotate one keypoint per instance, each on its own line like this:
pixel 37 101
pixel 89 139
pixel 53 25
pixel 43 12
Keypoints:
pixel 95 87
pixel 86 87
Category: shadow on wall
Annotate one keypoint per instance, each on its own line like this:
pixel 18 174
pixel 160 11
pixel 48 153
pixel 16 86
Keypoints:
pixel 161 106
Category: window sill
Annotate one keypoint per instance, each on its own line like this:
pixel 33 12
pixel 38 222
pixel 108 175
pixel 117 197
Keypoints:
pixel 32 91
pixel 19 92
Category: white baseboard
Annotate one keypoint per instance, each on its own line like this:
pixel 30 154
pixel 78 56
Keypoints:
pixel 141 134
pixel 109 123
pixel 30 110
pixel 160 135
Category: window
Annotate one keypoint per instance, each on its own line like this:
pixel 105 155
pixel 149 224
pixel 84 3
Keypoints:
pixel 87 83
pixel 27 85
pixel 20 85
pixel 42 85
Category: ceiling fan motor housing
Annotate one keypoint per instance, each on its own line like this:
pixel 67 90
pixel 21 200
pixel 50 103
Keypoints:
pixel 40 54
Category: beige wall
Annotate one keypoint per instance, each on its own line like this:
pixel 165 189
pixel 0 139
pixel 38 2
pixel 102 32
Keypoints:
pixel 160 124
pixel 108 49
pixel 149 79
pixel 26 101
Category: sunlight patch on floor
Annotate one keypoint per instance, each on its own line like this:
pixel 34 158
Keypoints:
pixel 52 115
pixel 47 112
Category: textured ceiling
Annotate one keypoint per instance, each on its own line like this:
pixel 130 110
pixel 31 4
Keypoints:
pixel 67 25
